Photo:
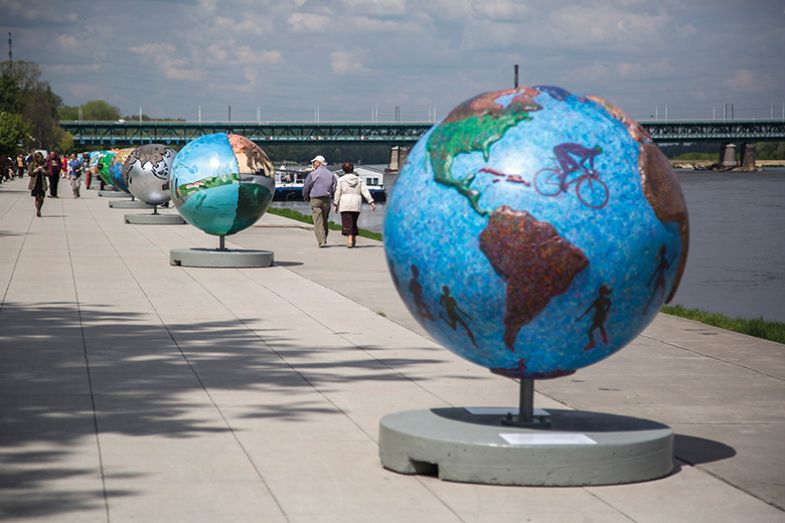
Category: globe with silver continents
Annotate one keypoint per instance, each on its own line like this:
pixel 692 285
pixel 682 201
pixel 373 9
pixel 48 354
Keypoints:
pixel 147 171
pixel 222 183
pixel 535 231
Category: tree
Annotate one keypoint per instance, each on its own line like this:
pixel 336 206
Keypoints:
pixel 100 110
pixel 25 94
pixel 14 133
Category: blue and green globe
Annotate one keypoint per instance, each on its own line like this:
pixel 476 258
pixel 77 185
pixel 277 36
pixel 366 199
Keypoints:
pixel 534 231
pixel 222 183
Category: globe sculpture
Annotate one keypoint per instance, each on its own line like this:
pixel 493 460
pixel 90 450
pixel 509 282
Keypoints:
pixel 116 169
pixel 534 231
pixel 147 172
pixel 222 183
pixel 104 161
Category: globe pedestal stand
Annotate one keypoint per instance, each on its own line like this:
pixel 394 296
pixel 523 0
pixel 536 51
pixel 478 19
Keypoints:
pixel 527 416
pixel 221 257
pixel 110 192
pixel 133 203
pixel 557 447
pixel 154 219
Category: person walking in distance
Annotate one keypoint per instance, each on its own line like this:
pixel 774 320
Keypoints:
pixel 318 190
pixel 348 201
pixel 53 171
pixel 75 174
pixel 37 185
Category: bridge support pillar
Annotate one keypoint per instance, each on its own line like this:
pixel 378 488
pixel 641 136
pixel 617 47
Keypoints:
pixel 728 155
pixel 398 155
pixel 748 155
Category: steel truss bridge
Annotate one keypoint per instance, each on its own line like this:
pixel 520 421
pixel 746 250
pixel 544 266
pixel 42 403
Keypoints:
pixel 397 133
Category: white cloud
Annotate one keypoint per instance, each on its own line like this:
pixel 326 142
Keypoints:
pixel 307 22
pixel 583 25
pixel 343 62
pixel 67 41
pixel 162 54
pixel 248 24
pixel 745 81
pixel 377 7
pixel 502 10
pixel 644 70
pixel 246 55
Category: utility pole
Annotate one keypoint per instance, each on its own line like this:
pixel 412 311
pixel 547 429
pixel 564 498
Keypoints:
pixel 515 68
pixel 10 51
pixel 140 114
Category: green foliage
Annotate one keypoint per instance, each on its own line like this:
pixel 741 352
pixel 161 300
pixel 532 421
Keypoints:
pixel 100 110
pixel 697 156
pixel 26 94
pixel 68 112
pixel 14 130
pixel 758 327
pixel 771 151
pixel 300 217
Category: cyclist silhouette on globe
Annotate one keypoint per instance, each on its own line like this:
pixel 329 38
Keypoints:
pixel 567 153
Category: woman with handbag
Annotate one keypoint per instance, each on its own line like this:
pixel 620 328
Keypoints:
pixel 37 184
pixel 348 200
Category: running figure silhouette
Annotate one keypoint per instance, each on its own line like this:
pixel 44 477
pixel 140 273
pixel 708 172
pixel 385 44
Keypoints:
pixel 416 290
pixel 659 273
pixel 601 307
pixel 453 313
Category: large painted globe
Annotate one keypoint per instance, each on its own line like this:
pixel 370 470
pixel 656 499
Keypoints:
pixel 103 162
pixel 535 232
pixel 116 170
pixel 147 171
pixel 222 183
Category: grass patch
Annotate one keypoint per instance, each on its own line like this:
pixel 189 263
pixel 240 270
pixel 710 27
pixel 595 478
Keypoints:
pixel 304 218
pixel 758 327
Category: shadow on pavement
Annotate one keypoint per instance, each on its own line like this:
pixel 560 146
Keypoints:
pixel 694 451
pixel 140 384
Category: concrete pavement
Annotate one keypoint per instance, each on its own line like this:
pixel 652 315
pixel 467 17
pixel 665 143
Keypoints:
pixel 131 390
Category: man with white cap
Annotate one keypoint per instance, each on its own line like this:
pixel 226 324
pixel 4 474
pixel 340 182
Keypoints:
pixel 318 190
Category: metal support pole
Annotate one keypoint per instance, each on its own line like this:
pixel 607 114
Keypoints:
pixel 222 243
pixel 155 209
pixel 526 404
pixel 516 76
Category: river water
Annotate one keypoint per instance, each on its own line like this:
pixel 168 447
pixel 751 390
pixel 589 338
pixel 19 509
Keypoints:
pixel 736 263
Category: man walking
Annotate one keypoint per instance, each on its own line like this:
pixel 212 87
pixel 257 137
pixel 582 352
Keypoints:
pixel 318 190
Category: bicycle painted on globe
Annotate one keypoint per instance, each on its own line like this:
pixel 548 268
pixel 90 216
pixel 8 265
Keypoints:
pixel 589 188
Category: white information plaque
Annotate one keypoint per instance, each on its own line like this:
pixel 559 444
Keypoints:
pixel 546 438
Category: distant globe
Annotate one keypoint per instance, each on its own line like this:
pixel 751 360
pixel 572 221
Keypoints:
pixel 147 170
pixel 116 169
pixel 535 232
pixel 104 160
pixel 222 183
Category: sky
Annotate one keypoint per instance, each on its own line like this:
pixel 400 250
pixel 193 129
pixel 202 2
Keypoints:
pixel 356 60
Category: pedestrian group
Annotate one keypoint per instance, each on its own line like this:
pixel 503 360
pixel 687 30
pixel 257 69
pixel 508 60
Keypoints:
pixel 322 189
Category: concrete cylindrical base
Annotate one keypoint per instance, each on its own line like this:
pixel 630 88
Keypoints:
pixel 112 194
pixel 154 219
pixel 578 448
pixel 129 204
pixel 236 259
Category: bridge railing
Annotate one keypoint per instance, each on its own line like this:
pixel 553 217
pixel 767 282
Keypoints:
pixel 179 132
